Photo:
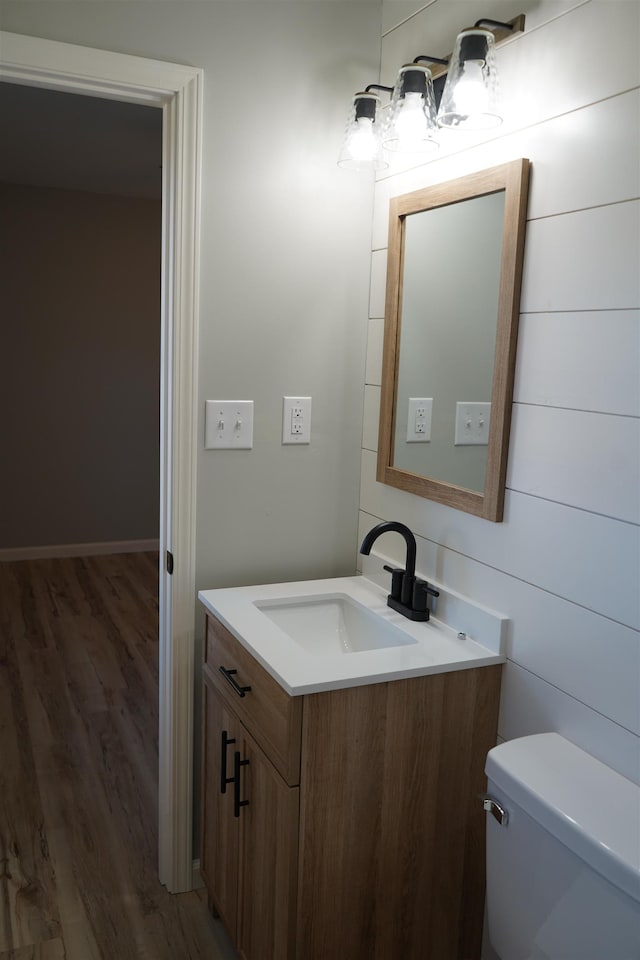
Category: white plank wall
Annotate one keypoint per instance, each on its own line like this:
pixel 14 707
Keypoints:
pixel 604 342
pixel 550 447
pixel 564 565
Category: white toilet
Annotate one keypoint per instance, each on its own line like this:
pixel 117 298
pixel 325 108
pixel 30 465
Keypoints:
pixel 563 866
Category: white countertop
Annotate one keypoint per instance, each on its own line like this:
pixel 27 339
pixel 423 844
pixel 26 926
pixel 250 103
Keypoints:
pixel 437 647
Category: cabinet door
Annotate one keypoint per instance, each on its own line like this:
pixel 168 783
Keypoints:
pixel 268 860
pixel 220 829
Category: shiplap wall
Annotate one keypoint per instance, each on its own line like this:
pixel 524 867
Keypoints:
pixel 564 564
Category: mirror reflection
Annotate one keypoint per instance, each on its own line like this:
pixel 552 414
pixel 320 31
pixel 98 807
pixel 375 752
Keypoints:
pixel 449 315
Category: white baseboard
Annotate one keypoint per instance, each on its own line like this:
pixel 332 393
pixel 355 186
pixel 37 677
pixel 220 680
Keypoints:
pixel 78 549
pixel 197 880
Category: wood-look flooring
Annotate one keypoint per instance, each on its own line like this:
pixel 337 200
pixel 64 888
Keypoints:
pixel 78 769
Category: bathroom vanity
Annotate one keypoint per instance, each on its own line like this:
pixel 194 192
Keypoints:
pixel 341 818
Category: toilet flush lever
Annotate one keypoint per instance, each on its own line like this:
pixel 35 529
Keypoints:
pixel 492 806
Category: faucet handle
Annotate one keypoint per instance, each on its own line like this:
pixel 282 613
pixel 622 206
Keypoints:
pixel 397 573
pixel 421 591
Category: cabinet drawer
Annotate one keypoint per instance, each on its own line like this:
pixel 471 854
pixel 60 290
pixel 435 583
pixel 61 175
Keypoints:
pixel 270 715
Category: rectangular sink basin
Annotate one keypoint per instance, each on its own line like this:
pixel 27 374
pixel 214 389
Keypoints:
pixel 332 624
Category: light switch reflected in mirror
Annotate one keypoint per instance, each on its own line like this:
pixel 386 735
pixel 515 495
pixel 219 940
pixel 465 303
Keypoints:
pixel 453 291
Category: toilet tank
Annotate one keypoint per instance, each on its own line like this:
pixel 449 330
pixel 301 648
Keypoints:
pixel 563 873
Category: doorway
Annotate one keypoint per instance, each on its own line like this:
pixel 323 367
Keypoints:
pixel 81 194
pixel 176 90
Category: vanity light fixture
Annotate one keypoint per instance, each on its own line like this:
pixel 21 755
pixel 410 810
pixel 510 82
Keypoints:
pixel 410 122
pixel 362 144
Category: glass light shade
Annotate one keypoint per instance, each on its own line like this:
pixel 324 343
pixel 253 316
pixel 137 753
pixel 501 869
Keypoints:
pixel 470 96
pixel 411 121
pixel 362 146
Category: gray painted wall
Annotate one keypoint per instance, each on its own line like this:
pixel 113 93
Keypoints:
pixel 80 278
pixel 285 268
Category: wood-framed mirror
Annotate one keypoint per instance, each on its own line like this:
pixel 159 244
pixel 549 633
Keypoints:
pixel 454 272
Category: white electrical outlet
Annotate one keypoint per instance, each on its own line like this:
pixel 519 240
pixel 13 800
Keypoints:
pixel 228 425
pixel 419 419
pixel 296 419
pixel 472 423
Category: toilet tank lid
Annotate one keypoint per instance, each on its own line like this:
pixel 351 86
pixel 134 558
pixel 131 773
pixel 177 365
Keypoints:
pixel 586 805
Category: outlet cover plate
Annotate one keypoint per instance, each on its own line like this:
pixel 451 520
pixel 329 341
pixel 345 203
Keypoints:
pixel 296 420
pixel 419 419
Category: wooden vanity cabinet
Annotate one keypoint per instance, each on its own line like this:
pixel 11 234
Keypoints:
pixel 363 836
pixel 220 829
pixel 249 850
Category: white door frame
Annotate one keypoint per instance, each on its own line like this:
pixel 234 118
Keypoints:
pixel 177 90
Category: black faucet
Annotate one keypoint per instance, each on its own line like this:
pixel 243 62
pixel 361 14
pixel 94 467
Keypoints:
pixel 408 593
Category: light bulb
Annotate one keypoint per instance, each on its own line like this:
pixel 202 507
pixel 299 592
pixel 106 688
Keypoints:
pixel 411 123
pixel 362 144
pixel 470 94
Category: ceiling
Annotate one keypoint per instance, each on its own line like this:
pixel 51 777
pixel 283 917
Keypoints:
pixel 74 142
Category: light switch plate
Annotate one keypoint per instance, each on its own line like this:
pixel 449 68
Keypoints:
pixel 228 425
pixel 419 419
pixel 296 419
pixel 472 423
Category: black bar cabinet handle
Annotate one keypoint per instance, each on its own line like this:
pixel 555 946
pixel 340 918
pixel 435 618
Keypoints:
pixel 224 779
pixel 230 678
pixel 237 802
